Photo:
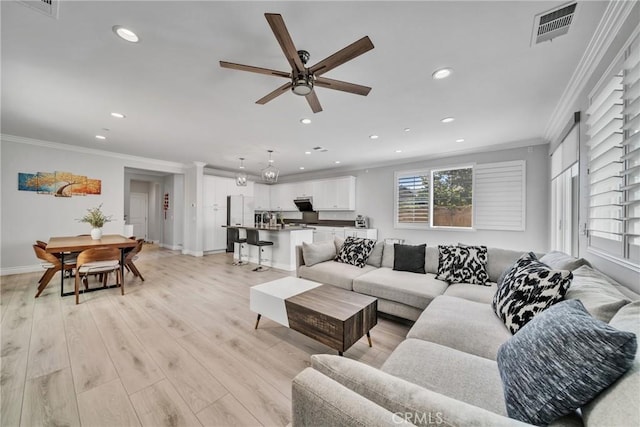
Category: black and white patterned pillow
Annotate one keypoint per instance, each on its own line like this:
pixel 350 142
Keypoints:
pixel 470 265
pixel 446 262
pixel 528 289
pixel 355 251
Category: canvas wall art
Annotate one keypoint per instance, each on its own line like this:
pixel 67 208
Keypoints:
pixel 59 183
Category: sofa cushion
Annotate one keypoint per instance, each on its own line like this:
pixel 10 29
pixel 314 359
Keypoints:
pixel 463 376
pixel 314 253
pixel 528 289
pixel 618 405
pixel 597 292
pixel 561 360
pixel 338 241
pixel 465 325
pixel 498 260
pixel 483 294
pixel 409 258
pixel 355 251
pixel 416 290
pixel 561 261
pixel 431 255
pixel 334 273
pixel 375 257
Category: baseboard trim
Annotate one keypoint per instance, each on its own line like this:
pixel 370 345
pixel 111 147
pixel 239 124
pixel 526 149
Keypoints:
pixel 7 271
pixel 192 253
pixel 171 247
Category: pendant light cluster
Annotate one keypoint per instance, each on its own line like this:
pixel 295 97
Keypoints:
pixel 269 174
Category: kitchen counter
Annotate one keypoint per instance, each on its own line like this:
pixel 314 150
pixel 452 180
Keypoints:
pixel 268 228
pixel 282 254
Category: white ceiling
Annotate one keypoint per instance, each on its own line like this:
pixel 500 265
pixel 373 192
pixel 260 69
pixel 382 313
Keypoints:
pixel 62 78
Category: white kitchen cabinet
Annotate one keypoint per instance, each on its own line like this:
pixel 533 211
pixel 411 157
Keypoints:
pixel 322 234
pixel 362 233
pixel 214 208
pixel 262 201
pixel 336 194
pixel 281 197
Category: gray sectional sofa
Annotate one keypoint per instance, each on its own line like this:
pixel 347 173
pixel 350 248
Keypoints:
pixel 445 372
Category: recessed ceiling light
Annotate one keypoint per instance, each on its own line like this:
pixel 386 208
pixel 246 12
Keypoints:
pixel 125 34
pixel 460 140
pixel 305 121
pixel 337 162
pixel 118 115
pixel 373 136
pixel 407 129
pixel 101 137
pixel 447 120
pixel 301 168
pixel 307 152
pixel 398 151
pixel 442 73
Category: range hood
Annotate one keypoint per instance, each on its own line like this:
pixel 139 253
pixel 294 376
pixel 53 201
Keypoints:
pixel 304 204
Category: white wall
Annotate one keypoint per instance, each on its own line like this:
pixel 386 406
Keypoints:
pixel 28 216
pixel 375 199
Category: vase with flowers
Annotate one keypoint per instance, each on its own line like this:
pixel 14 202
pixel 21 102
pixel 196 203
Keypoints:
pixel 96 219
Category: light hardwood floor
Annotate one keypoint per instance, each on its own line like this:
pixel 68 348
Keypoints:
pixel 177 349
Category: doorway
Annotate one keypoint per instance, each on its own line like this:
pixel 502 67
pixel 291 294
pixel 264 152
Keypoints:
pixel 138 214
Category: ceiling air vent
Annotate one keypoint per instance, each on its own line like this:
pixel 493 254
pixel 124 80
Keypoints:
pixel 48 7
pixel 553 23
pixel 320 149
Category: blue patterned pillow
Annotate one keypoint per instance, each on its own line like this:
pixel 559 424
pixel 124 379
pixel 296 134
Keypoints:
pixel 529 288
pixel 560 361
pixel 355 251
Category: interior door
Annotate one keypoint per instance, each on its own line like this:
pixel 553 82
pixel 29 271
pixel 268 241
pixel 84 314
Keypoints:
pixel 138 213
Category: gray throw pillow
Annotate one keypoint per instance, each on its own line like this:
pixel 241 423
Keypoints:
pixel 315 253
pixel 375 257
pixel 388 255
pixel 599 294
pixel 560 361
pixel 529 288
pixel 409 258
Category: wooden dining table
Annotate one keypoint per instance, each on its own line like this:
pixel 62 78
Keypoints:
pixel 66 245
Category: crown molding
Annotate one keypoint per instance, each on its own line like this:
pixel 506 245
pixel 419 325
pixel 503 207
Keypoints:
pixel 167 166
pixel 612 20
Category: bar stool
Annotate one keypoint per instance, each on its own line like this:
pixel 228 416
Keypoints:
pixel 240 242
pixel 253 239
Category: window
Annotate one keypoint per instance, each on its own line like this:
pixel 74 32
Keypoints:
pixel 614 160
pixel 412 195
pixel 452 197
pixel 447 204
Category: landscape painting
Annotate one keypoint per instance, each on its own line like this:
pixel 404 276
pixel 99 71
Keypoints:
pixel 59 183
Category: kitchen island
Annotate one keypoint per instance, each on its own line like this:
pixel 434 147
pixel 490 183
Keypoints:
pixel 282 254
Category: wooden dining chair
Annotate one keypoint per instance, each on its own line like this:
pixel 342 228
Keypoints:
pixel 97 261
pixel 131 256
pixel 52 265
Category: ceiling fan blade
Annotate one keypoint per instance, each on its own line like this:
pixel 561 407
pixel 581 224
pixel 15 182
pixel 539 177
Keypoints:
pixel 282 89
pixel 343 86
pixel 354 50
pixel 313 101
pixel 282 35
pixel 252 69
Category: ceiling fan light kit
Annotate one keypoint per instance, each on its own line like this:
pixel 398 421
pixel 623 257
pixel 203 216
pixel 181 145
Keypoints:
pixel 304 79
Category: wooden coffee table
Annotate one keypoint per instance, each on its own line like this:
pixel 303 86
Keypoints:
pixel 333 316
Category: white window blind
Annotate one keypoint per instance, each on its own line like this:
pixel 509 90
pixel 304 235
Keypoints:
pixel 500 196
pixel 412 199
pixel 613 124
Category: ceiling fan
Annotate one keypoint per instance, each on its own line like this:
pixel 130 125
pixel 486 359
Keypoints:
pixel 304 79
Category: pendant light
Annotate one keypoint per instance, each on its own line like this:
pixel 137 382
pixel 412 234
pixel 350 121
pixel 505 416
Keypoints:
pixel 241 176
pixel 270 173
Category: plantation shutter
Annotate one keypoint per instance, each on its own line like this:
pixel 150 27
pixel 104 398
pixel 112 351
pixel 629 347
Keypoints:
pixel 412 198
pixel 500 196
